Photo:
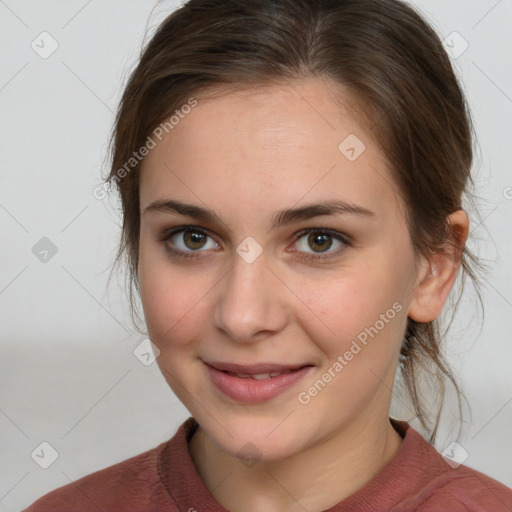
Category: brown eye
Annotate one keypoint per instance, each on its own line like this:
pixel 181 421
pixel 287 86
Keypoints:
pixel 320 241
pixel 312 243
pixel 315 243
pixel 194 239
pixel 187 241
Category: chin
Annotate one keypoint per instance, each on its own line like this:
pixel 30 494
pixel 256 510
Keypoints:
pixel 256 439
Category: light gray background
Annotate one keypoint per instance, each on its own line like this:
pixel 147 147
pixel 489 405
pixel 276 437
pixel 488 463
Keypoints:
pixel 68 375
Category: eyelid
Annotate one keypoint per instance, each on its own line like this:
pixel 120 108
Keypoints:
pixel 343 238
pixel 167 234
pixel 336 234
pixel 170 232
pixel 319 256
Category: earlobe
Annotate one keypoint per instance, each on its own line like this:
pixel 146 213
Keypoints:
pixel 438 274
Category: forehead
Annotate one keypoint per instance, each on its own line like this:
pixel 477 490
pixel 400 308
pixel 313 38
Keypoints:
pixel 284 140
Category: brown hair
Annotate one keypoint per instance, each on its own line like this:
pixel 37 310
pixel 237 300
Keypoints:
pixel 382 51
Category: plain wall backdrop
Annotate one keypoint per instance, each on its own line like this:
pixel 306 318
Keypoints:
pixel 68 373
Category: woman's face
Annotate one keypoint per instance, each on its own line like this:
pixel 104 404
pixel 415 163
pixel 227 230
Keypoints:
pixel 241 295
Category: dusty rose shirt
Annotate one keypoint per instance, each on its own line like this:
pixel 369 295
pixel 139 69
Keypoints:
pixel 165 479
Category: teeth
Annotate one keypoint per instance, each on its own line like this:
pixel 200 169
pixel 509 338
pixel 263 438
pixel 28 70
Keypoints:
pixel 260 376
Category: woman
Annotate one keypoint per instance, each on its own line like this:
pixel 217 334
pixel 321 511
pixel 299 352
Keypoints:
pixel 291 176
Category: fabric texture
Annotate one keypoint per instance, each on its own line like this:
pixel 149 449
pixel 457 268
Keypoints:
pixel 165 479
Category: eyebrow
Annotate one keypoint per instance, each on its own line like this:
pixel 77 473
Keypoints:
pixel 280 218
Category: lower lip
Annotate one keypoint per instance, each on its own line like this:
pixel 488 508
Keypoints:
pixel 253 390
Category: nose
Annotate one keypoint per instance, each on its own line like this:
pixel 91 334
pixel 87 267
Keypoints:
pixel 251 302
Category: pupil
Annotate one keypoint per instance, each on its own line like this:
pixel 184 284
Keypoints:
pixel 195 239
pixel 317 239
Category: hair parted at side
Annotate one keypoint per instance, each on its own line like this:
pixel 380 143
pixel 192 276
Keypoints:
pixel 396 70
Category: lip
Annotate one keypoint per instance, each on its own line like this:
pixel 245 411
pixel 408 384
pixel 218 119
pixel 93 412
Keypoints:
pixel 253 368
pixel 249 390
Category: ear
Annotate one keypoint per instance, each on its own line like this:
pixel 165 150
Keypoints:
pixel 437 274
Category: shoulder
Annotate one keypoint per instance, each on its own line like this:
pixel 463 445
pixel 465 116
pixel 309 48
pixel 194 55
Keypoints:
pixel 465 489
pixel 444 485
pixel 131 485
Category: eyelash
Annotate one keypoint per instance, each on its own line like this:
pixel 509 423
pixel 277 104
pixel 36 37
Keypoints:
pixel 316 257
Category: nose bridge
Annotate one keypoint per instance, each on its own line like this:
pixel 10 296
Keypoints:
pixel 248 302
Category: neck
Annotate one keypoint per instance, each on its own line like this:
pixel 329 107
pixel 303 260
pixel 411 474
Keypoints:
pixel 314 479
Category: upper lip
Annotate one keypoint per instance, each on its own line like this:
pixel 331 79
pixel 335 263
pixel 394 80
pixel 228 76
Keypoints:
pixel 254 369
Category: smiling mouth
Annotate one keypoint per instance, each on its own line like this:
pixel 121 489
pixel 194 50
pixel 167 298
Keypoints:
pixel 259 376
pixel 255 383
pixel 262 371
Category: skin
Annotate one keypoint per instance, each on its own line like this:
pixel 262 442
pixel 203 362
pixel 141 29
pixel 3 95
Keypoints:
pixel 246 154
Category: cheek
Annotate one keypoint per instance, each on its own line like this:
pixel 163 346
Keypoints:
pixel 362 307
pixel 171 300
